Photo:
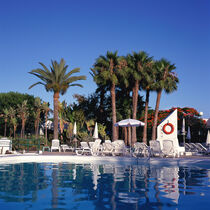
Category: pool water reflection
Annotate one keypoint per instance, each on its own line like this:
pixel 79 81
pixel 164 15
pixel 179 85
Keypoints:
pixel 108 186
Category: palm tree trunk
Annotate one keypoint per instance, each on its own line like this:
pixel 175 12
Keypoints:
pixel 135 103
pixel 114 133
pixel 5 128
pixel 46 128
pixel 125 135
pixel 56 97
pixel 101 106
pixel 145 117
pixel 154 128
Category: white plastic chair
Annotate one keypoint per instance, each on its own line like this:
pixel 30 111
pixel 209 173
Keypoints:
pixel 107 148
pixel 169 149
pixel 155 148
pixel 55 145
pixel 119 147
pixel 85 149
pixel 96 148
pixel 141 149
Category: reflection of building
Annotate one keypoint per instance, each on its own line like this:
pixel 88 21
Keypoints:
pixel 166 183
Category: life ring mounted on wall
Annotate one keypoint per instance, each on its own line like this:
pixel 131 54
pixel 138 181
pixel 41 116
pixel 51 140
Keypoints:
pixel 171 126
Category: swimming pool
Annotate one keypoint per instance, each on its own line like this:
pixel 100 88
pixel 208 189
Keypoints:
pixel 107 184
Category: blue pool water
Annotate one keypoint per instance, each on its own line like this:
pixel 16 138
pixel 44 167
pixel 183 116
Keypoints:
pixel 105 186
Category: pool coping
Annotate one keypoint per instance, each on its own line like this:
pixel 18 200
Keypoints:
pixel 203 161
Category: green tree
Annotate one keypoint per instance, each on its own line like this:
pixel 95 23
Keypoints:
pixel 13 120
pixel 147 83
pixel 46 109
pixel 23 113
pixel 58 81
pixel 166 80
pixel 37 111
pixel 5 115
pixel 105 73
pixel 137 64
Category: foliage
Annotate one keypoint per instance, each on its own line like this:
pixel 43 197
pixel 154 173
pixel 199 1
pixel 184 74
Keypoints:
pixel 12 99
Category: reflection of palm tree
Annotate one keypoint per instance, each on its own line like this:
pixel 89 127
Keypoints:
pixel 58 81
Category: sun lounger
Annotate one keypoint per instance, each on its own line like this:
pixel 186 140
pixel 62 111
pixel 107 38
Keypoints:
pixel 97 147
pixel 169 149
pixel 107 148
pixel 65 147
pixel 141 149
pixel 155 148
pixel 84 149
pixel 119 148
pixel 55 145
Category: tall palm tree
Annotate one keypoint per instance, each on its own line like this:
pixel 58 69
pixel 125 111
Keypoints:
pixel 46 109
pixel 23 113
pixel 166 80
pixel 5 115
pixel 57 80
pixel 147 84
pixel 137 63
pixel 13 119
pixel 105 72
pixel 38 107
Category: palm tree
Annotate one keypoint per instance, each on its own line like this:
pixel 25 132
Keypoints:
pixel 5 115
pixel 58 81
pixel 137 63
pixel 166 80
pixel 46 109
pixel 147 84
pixel 22 110
pixel 105 72
pixel 38 107
pixel 13 119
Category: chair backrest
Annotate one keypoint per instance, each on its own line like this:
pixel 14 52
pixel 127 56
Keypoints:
pixel 168 147
pixel 108 141
pixel 55 143
pixel 91 144
pixel 96 146
pixel 84 145
pixel 107 146
pixel 155 146
pixel 119 146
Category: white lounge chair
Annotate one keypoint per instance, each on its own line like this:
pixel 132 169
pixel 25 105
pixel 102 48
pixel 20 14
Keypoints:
pixel 65 147
pixel 97 147
pixel 119 147
pixel 85 149
pixel 169 149
pixel 107 148
pixel 55 145
pixel 141 149
pixel 155 148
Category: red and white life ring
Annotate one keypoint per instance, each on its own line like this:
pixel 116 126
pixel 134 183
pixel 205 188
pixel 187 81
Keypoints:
pixel 168 132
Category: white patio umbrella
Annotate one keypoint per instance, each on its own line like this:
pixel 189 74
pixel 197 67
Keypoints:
pixel 129 123
pixel 75 128
pixel 188 133
pixel 208 138
pixel 95 134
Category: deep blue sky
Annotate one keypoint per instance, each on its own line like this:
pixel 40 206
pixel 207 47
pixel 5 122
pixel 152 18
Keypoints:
pixel 33 31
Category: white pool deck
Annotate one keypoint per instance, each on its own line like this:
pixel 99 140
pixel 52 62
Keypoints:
pixel 202 161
